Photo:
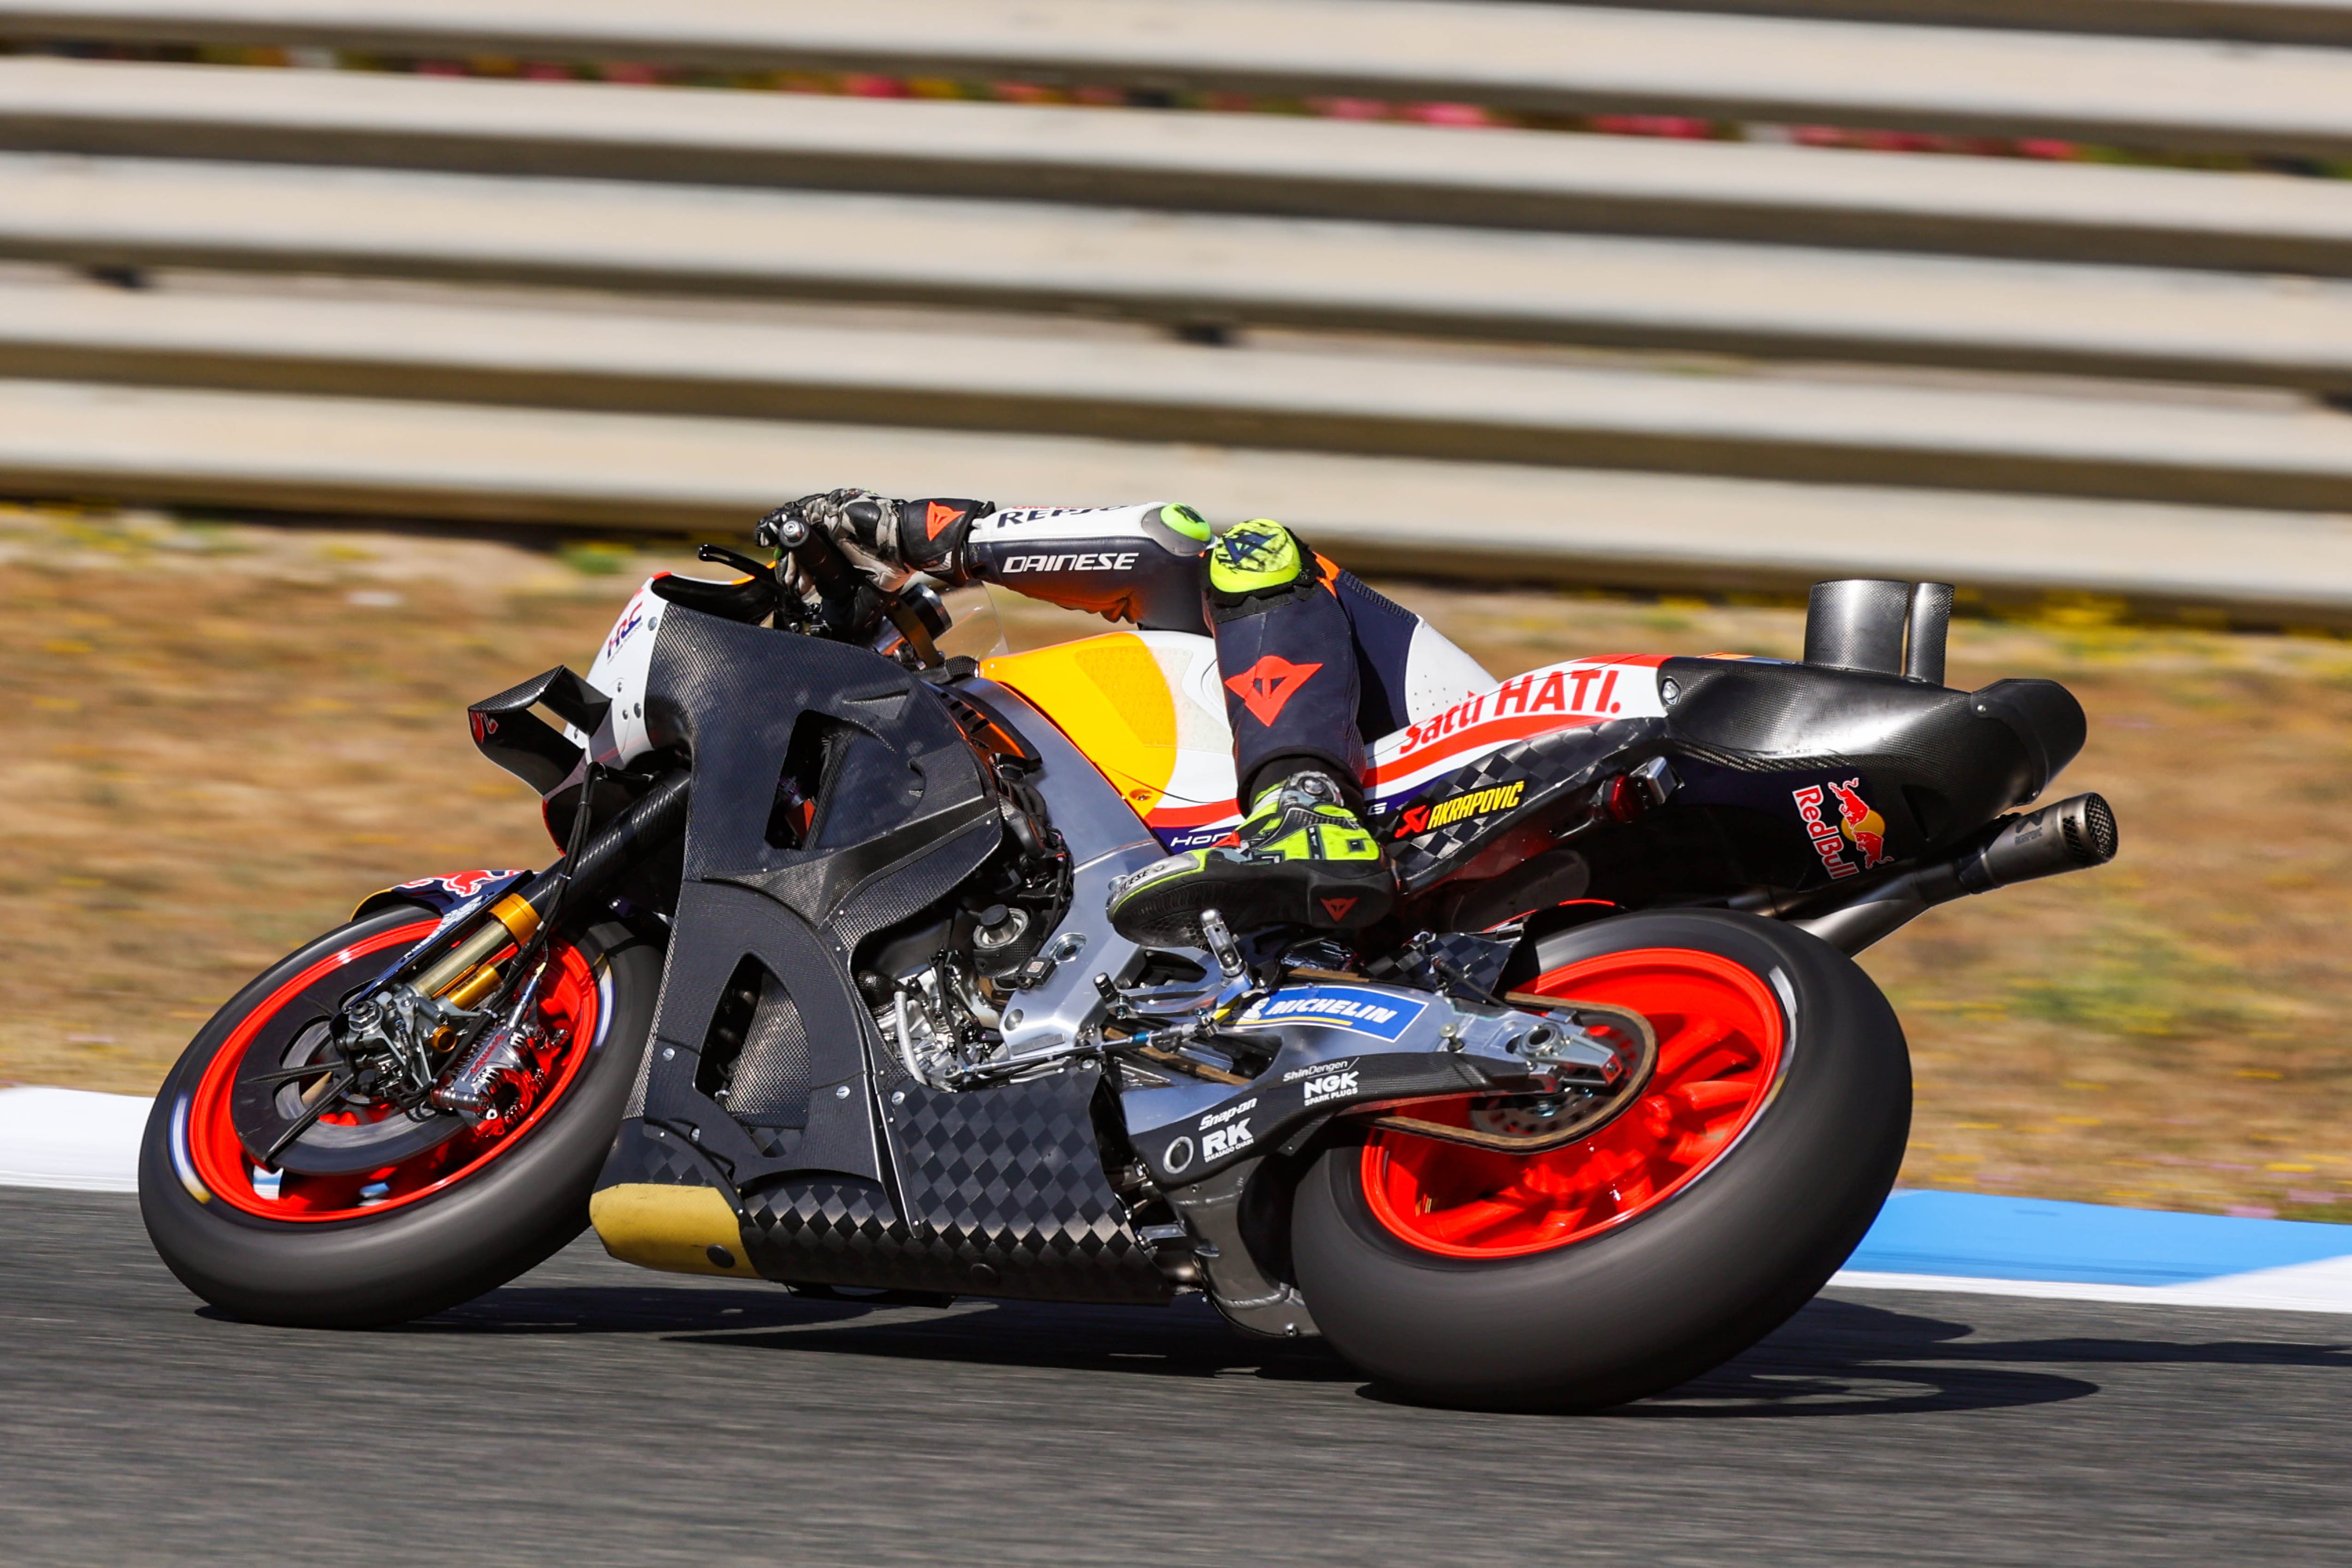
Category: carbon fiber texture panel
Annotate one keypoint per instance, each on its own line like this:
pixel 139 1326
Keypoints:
pixel 773 1071
pixel 1552 766
pixel 655 1155
pixel 776 1143
pixel 1016 1175
pixel 636 1105
pixel 834 1230
pixel 1750 763
pixel 888 899
pixel 1946 755
pixel 1004 1195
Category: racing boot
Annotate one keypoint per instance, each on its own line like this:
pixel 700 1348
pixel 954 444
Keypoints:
pixel 1300 858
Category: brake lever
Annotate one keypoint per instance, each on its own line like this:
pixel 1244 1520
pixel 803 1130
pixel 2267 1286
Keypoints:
pixel 735 558
pixel 838 583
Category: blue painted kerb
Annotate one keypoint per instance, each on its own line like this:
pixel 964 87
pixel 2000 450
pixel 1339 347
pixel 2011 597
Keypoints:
pixel 1979 1237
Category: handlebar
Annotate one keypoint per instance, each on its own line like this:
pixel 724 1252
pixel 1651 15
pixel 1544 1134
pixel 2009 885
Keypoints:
pixel 840 585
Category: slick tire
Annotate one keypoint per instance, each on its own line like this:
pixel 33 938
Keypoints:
pixel 447 1247
pixel 1674 1288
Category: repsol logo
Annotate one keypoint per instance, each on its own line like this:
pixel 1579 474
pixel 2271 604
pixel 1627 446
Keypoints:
pixel 1086 561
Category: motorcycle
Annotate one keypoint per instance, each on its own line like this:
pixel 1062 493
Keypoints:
pixel 821 991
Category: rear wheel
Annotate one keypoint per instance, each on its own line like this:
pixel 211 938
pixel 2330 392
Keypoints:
pixel 374 1217
pixel 1667 1241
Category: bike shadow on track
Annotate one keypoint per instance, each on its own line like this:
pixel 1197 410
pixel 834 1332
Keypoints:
pixel 1841 1357
pixel 1185 1339
pixel 1835 1358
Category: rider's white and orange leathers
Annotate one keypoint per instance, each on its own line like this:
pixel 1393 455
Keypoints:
pixel 1311 663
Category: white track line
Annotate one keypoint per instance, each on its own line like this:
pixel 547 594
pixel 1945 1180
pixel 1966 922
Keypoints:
pixel 70 1139
pixel 76 1140
pixel 2322 1287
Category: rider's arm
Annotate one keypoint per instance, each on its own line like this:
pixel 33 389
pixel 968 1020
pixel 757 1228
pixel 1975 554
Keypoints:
pixel 1138 563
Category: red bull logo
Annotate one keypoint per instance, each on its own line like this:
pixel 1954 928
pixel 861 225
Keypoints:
pixel 1838 819
pixel 1863 827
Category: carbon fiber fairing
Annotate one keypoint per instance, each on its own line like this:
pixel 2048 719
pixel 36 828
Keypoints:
pixel 1000 1192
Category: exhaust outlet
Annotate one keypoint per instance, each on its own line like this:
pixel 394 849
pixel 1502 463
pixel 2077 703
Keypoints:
pixel 1858 623
pixel 2074 835
pixel 1931 627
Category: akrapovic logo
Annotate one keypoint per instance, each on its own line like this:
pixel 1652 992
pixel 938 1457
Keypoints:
pixel 1478 802
pixel 1082 562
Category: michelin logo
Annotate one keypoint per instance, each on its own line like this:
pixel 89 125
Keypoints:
pixel 1384 1015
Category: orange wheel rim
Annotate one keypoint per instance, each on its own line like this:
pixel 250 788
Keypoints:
pixel 1720 1045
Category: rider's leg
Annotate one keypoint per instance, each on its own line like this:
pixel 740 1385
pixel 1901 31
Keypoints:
pixel 1289 662
pixel 1288 657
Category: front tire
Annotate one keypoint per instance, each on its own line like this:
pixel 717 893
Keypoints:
pixel 1664 1244
pixel 386 1247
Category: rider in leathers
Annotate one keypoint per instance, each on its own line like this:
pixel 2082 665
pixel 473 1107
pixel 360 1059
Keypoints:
pixel 1312 661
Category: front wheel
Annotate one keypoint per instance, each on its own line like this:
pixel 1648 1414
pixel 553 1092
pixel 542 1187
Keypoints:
pixel 392 1219
pixel 1668 1241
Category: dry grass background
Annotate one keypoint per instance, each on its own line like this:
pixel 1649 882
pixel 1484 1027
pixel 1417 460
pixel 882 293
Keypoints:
pixel 219 737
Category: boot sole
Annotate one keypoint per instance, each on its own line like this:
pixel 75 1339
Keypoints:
pixel 1250 897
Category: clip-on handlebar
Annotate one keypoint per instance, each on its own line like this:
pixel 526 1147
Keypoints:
pixel 839 584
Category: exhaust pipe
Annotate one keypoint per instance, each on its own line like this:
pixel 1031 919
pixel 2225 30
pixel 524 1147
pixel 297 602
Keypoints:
pixel 1858 623
pixel 2074 835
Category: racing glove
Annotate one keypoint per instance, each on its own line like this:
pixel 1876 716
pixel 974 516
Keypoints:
pixel 891 541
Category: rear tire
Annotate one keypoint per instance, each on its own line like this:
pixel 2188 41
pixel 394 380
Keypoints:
pixel 449 1244
pixel 1664 1293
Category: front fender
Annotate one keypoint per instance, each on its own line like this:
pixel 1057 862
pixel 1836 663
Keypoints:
pixel 443 894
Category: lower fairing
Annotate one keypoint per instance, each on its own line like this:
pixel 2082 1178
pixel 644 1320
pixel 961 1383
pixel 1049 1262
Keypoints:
pixel 996 1191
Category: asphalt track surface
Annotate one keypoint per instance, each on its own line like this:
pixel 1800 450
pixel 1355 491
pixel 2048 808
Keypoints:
pixel 592 1414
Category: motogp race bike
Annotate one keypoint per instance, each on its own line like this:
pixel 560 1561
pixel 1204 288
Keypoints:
pixel 822 992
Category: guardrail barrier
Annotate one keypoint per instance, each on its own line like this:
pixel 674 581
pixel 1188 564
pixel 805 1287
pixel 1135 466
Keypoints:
pixel 1858 275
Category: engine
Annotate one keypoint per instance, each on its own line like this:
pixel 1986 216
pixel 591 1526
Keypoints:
pixel 938 983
